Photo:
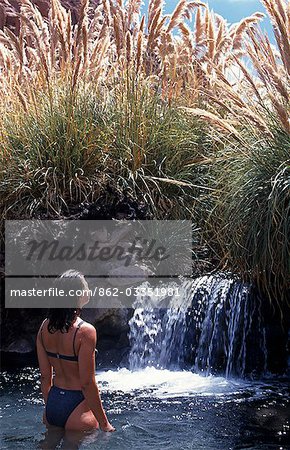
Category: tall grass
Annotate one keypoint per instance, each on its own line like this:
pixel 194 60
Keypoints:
pixel 188 113
pixel 247 219
pixel 66 147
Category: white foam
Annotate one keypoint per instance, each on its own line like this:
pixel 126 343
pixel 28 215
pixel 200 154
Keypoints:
pixel 166 383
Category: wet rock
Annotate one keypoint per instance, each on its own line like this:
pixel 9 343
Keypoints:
pixel 20 346
pixel 20 330
pixel 111 323
pixel 112 358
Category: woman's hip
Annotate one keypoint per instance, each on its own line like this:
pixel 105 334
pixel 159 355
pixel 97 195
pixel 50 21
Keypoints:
pixel 60 405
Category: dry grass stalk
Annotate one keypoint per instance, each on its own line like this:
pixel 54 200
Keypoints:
pixel 55 46
pixel 222 124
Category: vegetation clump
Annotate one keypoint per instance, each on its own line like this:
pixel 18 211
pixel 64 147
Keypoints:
pixel 183 110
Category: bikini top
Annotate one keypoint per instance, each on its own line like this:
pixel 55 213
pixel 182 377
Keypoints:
pixel 58 355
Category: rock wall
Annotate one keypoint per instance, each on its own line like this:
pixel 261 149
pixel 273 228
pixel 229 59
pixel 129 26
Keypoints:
pixel 19 329
pixel 19 326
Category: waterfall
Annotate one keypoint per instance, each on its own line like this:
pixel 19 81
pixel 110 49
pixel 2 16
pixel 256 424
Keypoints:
pixel 215 326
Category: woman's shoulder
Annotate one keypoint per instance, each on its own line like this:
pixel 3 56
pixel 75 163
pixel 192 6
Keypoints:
pixel 88 333
pixel 87 328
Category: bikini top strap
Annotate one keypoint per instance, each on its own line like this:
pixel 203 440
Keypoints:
pixel 78 327
pixel 41 335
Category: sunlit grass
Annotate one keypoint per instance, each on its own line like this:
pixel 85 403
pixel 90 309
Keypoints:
pixel 147 105
pixel 65 147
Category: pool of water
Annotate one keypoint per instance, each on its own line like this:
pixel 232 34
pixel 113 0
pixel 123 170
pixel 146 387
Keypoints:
pixel 155 409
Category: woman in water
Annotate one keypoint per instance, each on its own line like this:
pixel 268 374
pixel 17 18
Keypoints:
pixel 66 345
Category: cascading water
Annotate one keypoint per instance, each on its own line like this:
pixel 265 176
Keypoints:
pixel 214 326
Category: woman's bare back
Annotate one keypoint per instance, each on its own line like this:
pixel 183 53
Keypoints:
pixel 67 372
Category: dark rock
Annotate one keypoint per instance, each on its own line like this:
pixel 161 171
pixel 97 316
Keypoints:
pixel 20 346
pixel 111 324
pixel 112 358
pixel 15 360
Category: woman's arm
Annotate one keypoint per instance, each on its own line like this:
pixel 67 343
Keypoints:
pixel 45 367
pixel 86 359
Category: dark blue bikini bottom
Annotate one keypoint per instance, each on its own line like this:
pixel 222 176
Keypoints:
pixel 60 404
